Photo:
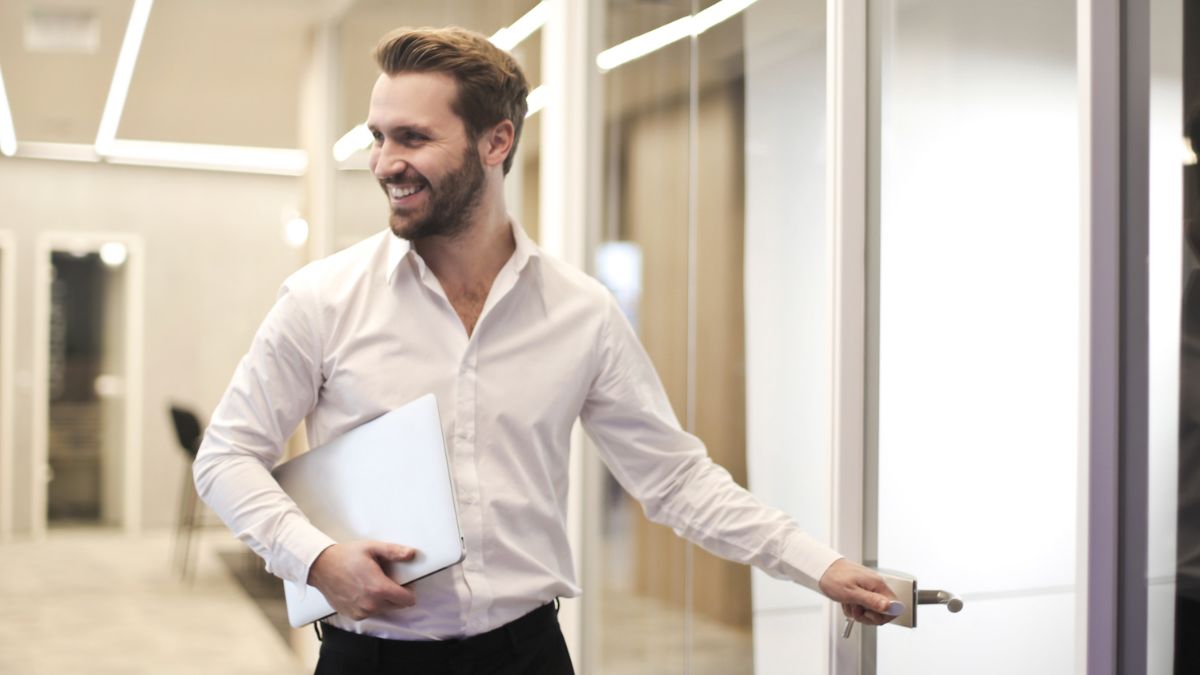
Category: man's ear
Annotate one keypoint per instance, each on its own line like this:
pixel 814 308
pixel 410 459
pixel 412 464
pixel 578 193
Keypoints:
pixel 496 143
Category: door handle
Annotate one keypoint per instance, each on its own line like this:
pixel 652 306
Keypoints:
pixel 950 600
pixel 905 588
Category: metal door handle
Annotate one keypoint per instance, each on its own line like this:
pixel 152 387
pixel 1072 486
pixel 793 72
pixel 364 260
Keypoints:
pixel 950 600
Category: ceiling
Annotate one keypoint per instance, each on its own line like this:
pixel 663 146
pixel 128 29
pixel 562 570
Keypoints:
pixel 231 72
pixel 225 72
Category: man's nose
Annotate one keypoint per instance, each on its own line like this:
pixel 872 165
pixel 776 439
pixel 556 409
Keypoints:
pixel 390 160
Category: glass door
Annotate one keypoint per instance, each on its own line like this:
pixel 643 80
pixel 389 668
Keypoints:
pixel 975 315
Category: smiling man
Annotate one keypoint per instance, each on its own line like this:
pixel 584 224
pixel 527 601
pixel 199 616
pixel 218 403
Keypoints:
pixel 516 345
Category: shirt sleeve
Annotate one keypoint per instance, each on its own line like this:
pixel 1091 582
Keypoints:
pixel 275 385
pixel 628 416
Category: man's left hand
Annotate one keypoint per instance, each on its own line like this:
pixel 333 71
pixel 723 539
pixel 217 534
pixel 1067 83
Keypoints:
pixel 864 594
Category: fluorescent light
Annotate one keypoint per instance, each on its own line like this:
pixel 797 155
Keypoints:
pixel 280 161
pixel 67 152
pixel 688 26
pixel 114 254
pixel 122 76
pixel 1189 152
pixel 507 38
pixel 8 135
pixel 718 12
pixel 351 142
pixel 637 47
pixel 536 100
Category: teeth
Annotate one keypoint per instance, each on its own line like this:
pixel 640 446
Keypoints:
pixel 401 191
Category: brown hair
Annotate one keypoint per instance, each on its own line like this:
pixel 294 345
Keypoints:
pixel 491 86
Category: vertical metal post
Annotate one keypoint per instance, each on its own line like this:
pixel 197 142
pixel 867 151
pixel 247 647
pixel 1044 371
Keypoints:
pixel 1099 41
pixel 846 156
pixel 1134 456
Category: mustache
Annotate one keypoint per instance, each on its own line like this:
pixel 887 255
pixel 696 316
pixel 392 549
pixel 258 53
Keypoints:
pixel 406 177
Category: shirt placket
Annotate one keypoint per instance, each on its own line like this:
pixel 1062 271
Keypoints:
pixel 471 511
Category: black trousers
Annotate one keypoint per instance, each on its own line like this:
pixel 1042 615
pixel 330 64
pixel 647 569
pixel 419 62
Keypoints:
pixel 531 645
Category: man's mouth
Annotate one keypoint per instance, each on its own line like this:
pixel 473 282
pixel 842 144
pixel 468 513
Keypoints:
pixel 400 192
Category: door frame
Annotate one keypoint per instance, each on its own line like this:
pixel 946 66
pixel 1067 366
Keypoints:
pixel 131 456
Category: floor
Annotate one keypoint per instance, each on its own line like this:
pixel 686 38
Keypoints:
pixel 92 601
pixel 96 602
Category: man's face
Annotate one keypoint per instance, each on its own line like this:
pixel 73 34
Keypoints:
pixel 423 157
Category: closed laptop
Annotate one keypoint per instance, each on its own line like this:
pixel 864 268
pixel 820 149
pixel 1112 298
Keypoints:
pixel 387 480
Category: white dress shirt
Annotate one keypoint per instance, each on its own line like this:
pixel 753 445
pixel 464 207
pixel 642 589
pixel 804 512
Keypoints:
pixel 369 329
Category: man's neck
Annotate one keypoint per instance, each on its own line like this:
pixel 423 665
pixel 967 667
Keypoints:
pixel 472 259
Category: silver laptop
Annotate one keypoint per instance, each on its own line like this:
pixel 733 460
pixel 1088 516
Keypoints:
pixel 387 480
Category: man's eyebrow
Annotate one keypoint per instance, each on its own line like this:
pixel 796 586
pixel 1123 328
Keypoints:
pixel 418 128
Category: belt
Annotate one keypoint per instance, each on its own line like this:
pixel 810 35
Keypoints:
pixel 382 650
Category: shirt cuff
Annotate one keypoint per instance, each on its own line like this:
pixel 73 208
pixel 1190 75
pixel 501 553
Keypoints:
pixel 294 560
pixel 805 560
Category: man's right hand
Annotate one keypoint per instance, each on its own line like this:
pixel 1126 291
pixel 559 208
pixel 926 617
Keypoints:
pixel 351 578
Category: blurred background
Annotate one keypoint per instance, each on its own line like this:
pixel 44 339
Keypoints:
pixel 165 164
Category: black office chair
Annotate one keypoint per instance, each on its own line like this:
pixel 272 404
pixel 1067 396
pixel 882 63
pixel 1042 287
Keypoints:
pixel 189 431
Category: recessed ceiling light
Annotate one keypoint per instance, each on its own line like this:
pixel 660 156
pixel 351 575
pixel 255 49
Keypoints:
pixel 62 30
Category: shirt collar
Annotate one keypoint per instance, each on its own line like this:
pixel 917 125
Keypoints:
pixel 399 249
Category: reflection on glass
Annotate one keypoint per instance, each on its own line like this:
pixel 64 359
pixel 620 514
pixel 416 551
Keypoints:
pixel 1187 589
pixel 85 439
pixel 646 118
pixel 1173 560
pixel 677 211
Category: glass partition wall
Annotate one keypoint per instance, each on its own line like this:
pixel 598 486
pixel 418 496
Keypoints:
pixel 1173 628
pixel 712 236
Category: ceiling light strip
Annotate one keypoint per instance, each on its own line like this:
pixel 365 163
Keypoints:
pixel 536 100
pixel 688 26
pixel 351 142
pixel 522 28
pixel 65 152
pixel 277 161
pixel 8 134
pixel 123 75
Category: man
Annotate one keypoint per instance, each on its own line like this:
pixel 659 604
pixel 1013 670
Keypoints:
pixel 456 300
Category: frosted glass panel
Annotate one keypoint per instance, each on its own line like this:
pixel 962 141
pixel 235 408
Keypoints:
pixel 787 280
pixel 979 329
pixel 1000 636
pixel 785 643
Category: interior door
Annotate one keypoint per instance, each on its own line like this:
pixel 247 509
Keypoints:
pixel 974 325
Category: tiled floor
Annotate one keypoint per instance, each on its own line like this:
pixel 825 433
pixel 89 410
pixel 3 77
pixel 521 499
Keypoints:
pixel 96 602
pixel 642 636
pixel 91 601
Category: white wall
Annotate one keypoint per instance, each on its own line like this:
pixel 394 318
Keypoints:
pixel 214 259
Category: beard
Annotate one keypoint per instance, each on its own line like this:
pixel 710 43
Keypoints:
pixel 450 204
